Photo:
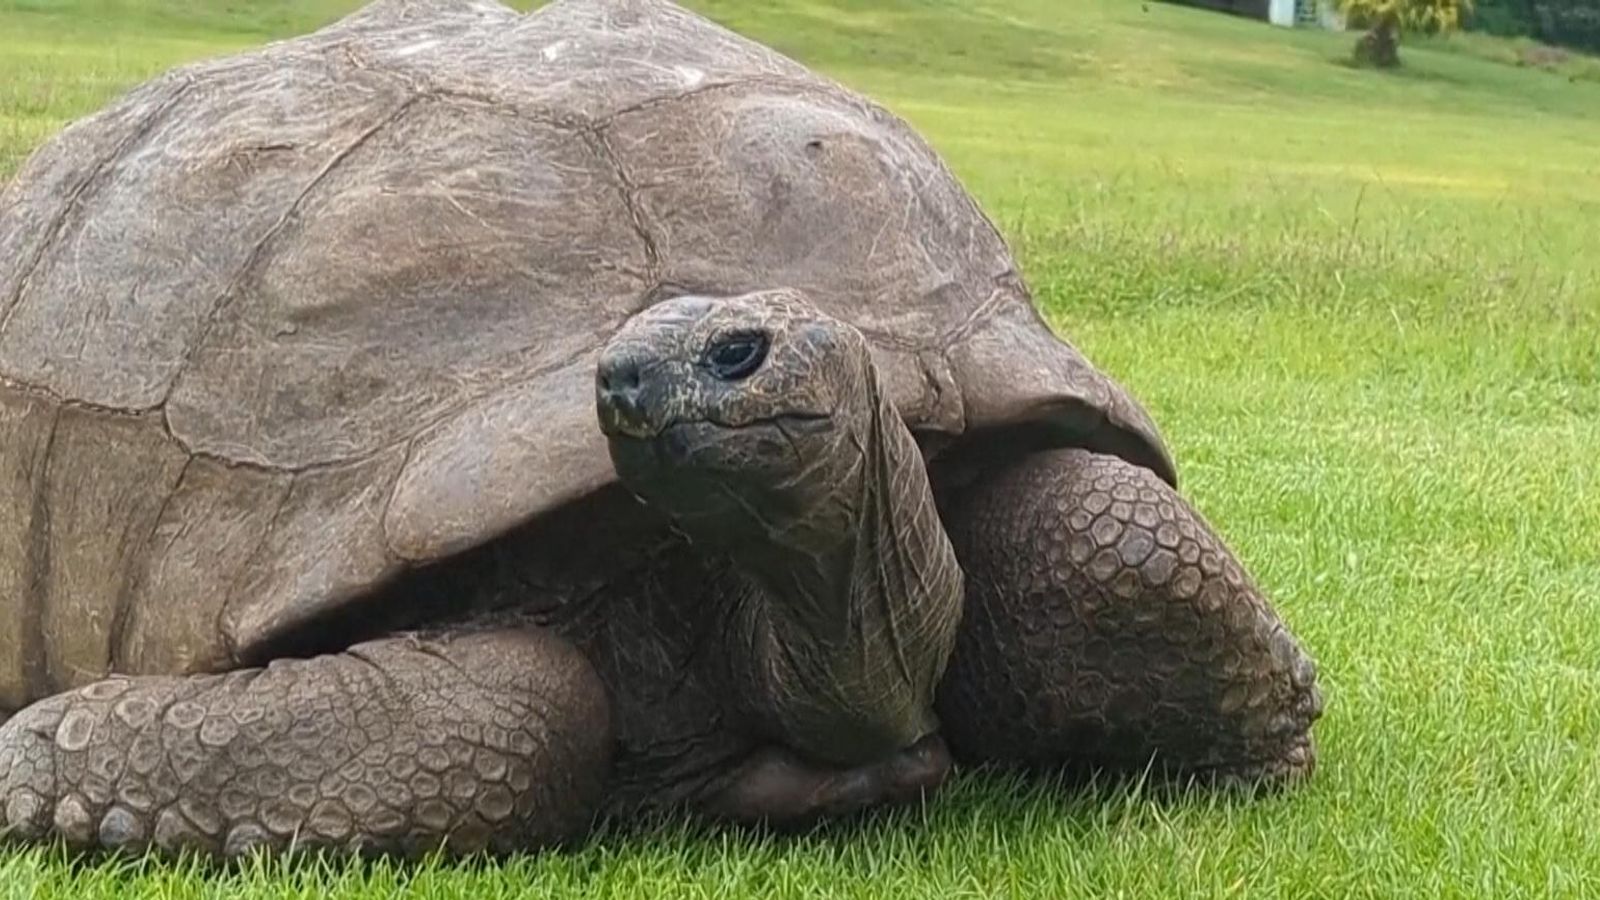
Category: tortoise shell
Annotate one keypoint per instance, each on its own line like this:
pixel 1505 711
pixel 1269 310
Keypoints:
pixel 277 328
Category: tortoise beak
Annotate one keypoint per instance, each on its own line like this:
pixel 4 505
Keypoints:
pixel 621 398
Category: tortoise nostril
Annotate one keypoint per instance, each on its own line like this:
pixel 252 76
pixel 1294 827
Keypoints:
pixel 619 374
pixel 620 382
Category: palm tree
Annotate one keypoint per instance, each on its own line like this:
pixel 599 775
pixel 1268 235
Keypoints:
pixel 1384 20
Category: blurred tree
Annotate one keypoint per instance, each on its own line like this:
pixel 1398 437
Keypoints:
pixel 1384 20
pixel 1507 18
pixel 1570 23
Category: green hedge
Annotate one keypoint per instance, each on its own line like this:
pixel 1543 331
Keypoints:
pixel 1566 23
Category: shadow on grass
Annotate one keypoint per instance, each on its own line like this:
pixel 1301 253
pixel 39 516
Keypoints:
pixel 1405 71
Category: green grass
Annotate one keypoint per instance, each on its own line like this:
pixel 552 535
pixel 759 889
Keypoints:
pixel 1365 309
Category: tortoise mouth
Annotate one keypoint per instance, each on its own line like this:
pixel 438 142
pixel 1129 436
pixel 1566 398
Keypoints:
pixel 768 444
pixel 722 480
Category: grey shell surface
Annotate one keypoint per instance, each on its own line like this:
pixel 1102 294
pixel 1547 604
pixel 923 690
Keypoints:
pixel 276 327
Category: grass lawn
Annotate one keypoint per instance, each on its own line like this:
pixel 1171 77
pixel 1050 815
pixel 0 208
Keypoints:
pixel 1366 311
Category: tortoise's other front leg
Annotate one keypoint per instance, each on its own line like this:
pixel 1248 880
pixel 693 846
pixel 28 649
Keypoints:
pixel 494 739
pixel 1107 627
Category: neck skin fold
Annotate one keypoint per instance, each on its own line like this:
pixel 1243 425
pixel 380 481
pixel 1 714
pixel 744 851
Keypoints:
pixel 859 597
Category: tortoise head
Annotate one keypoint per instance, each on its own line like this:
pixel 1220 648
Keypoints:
pixel 758 426
pixel 730 414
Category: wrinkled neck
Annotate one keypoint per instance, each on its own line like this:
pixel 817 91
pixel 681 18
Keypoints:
pixel 860 596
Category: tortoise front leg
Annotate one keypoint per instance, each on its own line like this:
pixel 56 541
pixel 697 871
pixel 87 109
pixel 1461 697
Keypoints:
pixel 495 739
pixel 1107 627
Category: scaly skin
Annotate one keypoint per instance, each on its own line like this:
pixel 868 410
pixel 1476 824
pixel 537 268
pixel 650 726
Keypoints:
pixel 1107 626
pixel 489 740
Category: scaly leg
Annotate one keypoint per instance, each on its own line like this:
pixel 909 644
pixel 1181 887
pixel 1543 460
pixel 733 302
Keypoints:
pixel 1107 627
pixel 492 739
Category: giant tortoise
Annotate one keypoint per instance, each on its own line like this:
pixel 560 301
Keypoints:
pixel 456 427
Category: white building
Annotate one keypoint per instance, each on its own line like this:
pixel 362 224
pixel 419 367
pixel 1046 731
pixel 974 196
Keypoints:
pixel 1284 13
pixel 1305 14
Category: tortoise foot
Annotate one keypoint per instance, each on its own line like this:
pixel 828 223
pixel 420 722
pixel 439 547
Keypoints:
pixel 495 740
pixel 780 789
pixel 1293 764
pixel 1108 628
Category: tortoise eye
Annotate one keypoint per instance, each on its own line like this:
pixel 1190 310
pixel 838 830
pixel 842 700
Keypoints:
pixel 736 356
